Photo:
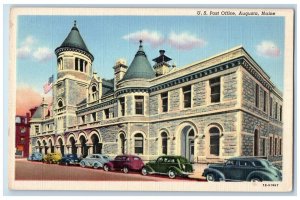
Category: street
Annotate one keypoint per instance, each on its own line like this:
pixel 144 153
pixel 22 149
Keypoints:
pixel 29 170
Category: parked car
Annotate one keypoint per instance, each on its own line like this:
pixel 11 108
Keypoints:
pixel 69 159
pixel 94 160
pixel 52 158
pixel 36 156
pixel 169 165
pixel 125 163
pixel 243 169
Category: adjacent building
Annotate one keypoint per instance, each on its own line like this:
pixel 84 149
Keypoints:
pixel 207 111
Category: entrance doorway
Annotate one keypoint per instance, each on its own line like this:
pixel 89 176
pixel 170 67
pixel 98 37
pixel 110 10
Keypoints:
pixel 61 147
pixel 73 146
pixel 188 143
pixel 122 143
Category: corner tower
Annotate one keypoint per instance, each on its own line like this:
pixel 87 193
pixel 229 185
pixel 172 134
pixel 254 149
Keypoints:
pixel 74 72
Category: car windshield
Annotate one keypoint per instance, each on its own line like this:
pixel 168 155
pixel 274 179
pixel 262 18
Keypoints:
pixel 183 160
pixel 105 157
pixel 266 163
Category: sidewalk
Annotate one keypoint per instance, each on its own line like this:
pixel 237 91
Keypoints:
pixel 199 168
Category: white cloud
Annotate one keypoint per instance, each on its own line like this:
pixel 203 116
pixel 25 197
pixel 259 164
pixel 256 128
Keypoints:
pixel 24 51
pixel 268 49
pixel 154 38
pixel 185 41
pixel 42 54
pixel 29 49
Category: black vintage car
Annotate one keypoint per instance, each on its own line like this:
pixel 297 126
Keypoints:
pixel 69 159
pixel 243 169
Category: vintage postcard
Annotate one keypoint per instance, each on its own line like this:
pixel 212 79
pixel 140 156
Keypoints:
pixel 151 99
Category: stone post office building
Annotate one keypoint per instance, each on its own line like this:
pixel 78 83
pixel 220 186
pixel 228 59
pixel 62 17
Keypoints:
pixel 207 111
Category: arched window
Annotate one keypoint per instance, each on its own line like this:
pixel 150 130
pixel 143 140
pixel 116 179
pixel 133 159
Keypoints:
pixel 94 93
pixel 164 143
pixel 60 104
pixel 214 142
pixel 256 143
pixel 138 143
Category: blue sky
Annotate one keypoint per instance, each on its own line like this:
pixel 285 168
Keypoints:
pixel 185 39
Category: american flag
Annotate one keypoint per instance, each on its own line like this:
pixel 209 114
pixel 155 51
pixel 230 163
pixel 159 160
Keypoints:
pixel 48 86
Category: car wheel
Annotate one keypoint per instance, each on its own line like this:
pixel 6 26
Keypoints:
pixel 144 171
pixel 125 170
pixel 106 168
pixel 96 165
pixel 255 179
pixel 82 164
pixel 172 174
pixel 210 177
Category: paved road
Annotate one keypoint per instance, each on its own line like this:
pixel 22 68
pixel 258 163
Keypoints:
pixel 28 170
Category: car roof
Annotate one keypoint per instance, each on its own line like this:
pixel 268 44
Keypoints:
pixel 127 155
pixel 245 158
pixel 170 156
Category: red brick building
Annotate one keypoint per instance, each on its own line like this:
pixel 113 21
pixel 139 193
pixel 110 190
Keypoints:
pixel 22 134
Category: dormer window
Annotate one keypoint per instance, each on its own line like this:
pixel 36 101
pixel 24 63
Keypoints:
pixel 94 93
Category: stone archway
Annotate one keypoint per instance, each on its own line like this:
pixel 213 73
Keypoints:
pixel 51 146
pixel 83 146
pixel 96 143
pixel 61 146
pixel 188 143
pixel 39 146
pixel 122 143
pixel 73 145
pixel 45 147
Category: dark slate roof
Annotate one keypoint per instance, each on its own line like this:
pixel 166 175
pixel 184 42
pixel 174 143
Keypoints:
pixel 140 67
pixel 107 86
pixel 74 40
pixel 38 114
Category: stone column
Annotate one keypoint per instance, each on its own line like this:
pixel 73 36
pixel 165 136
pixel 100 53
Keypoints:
pixel 79 153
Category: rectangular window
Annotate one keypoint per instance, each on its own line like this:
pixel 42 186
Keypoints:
pixel 215 90
pixel 138 145
pixel 265 101
pixel 37 129
pixel 280 113
pixel 187 96
pixel 94 117
pixel 271 146
pixel 275 147
pixel 276 110
pixel 164 102
pixel 263 143
pixel 76 64
pixel 271 106
pixel 106 113
pixel 139 105
pixel 81 65
pixel 122 106
pixel 257 95
pixel 83 119
pixel 280 146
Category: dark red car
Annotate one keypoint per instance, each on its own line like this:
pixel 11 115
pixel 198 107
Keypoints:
pixel 125 163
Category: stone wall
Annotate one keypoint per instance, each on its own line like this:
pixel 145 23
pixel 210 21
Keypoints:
pixel 229 87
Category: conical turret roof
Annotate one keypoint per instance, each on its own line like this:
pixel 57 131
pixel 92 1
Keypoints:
pixel 140 67
pixel 74 40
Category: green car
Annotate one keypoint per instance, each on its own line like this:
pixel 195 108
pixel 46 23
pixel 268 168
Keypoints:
pixel 243 169
pixel 169 165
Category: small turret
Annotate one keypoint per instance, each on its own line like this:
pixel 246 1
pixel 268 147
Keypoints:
pixel 162 66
